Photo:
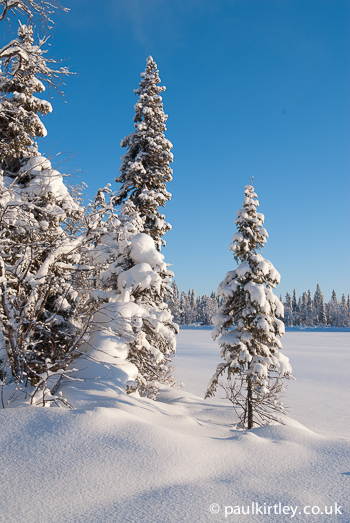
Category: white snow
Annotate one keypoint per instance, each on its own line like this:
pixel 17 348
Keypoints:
pixel 140 276
pixel 256 292
pixel 143 251
pixel 243 269
pixel 122 458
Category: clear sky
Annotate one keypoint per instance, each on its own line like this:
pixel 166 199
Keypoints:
pixel 254 88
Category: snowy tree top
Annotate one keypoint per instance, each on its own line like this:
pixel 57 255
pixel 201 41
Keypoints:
pixel 251 235
pixel 150 79
pixel 24 66
pixel 25 70
pixel 145 168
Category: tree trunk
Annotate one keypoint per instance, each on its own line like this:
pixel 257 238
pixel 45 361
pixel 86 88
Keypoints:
pixel 250 404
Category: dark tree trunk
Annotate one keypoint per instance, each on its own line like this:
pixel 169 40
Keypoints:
pixel 250 404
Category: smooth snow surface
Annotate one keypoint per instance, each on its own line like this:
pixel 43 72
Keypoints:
pixel 119 458
pixel 319 398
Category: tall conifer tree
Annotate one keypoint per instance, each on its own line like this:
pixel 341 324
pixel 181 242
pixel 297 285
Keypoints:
pixel 144 173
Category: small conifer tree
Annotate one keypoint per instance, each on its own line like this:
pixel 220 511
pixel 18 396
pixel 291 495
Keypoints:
pixel 248 324
pixel 343 312
pixel 173 301
pixel 319 305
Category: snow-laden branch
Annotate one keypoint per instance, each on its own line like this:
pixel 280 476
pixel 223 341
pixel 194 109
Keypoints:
pixel 40 11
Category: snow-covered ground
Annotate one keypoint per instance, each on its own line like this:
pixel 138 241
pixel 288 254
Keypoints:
pixel 118 458
pixel 319 398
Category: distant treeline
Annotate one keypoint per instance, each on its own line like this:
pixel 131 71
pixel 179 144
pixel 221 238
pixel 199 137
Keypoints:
pixel 306 310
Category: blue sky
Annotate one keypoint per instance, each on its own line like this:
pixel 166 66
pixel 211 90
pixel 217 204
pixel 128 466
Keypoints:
pixel 254 88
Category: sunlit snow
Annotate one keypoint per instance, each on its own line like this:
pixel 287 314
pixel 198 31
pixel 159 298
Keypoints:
pixel 122 458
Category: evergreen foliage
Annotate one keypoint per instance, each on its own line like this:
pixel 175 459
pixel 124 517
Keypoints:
pixel 315 312
pixel 25 68
pixel 288 310
pixel 187 309
pixel 144 282
pixel 39 253
pixel 142 275
pixel 173 301
pixel 295 312
pixel 145 168
pixel 248 324
pixel 131 282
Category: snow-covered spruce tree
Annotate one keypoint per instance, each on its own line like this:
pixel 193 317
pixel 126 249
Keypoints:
pixel 132 283
pixel 38 256
pixel 304 317
pixel 343 312
pixel 247 324
pixel 295 308
pixel 310 309
pixel 333 310
pixel 185 309
pixel 144 172
pixel 145 168
pixel 319 305
pixel 288 310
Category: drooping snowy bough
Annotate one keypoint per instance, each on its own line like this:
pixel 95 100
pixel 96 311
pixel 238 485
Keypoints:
pixel 248 325
pixel 145 168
